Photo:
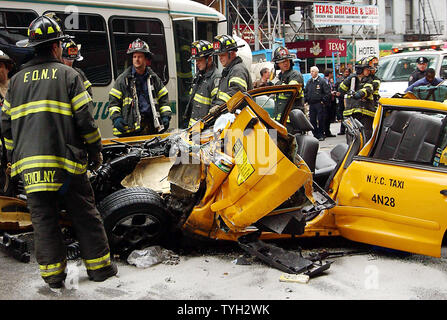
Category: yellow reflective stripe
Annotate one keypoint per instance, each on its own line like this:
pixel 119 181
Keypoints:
pixel 223 96
pixel 201 99
pixel 192 121
pixel 116 93
pixel 80 100
pixel 6 104
pixel 52 269
pixel 240 81
pixel 94 264
pixel 116 132
pixel 46 186
pixel 359 110
pixel 9 144
pixel 162 92
pixel 293 82
pixel 165 109
pixel 92 137
pixel 41 106
pixel 283 96
pixel 344 87
pixel 87 84
pixel 114 109
pixel 213 93
pixel 47 162
pixel 127 101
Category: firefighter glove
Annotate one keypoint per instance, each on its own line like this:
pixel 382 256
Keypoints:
pixel 119 123
pixel 166 120
pixel 358 95
pixel 214 110
pixel 94 161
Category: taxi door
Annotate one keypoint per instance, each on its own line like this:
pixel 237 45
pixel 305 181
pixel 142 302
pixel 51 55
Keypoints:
pixel 396 197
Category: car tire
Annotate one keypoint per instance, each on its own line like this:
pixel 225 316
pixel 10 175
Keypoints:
pixel 134 218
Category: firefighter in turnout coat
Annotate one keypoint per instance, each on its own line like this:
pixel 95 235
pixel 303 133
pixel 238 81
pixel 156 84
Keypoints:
pixel 52 140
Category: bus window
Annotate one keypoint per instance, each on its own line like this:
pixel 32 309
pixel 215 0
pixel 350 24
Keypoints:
pixel 183 37
pixel 123 31
pixel 206 30
pixel 14 24
pixel 91 34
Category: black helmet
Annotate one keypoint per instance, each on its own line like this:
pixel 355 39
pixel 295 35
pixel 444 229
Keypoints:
pixel 360 65
pixel 372 62
pixel 281 54
pixel 225 43
pixel 139 46
pixel 201 49
pixel 43 30
pixel 71 51
pixel 5 58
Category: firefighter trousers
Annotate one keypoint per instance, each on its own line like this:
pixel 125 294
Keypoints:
pixel 50 250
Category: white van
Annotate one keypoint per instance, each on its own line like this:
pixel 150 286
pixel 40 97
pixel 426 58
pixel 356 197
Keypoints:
pixel 105 29
pixel 395 70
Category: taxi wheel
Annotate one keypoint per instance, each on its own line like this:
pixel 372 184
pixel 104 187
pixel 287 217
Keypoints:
pixel 134 218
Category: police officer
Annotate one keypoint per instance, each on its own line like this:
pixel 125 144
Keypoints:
pixel 359 99
pixel 317 94
pixel 71 52
pixel 283 61
pixel 235 76
pixel 419 73
pixel 205 83
pixel 138 101
pixel 52 140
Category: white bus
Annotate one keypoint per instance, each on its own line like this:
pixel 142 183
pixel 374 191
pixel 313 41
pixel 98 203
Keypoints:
pixel 105 29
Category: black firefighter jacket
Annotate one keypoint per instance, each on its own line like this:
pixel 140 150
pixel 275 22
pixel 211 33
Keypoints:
pixel 235 78
pixel 365 105
pixel 122 102
pixel 47 126
pixel 202 92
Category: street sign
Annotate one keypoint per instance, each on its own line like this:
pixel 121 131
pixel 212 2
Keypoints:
pixel 366 48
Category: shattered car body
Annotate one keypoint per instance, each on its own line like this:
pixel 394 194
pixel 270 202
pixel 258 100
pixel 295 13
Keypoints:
pixel 253 172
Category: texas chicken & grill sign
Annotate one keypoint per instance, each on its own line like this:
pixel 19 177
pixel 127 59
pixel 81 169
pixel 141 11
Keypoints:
pixel 345 14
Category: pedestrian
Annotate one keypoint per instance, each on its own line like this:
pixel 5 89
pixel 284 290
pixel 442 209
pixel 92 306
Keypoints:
pixel 204 86
pixel 430 79
pixel 235 76
pixel 265 79
pixel 283 61
pixel 52 140
pixel 419 73
pixel 359 99
pixel 341 100
pixel 317 94
pixel 138 101
pixel 330 108
pixel 71 52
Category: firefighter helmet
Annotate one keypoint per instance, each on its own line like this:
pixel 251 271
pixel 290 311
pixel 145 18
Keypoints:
pixel 360 66
pixel 43 30
pixel 5 58
pixel 280 54
pixel 225 43
pixel 71 51
pixel 201 49
pixel 139 46
pixel 372 62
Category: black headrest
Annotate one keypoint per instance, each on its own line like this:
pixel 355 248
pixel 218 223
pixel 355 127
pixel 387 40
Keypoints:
pixel 299 121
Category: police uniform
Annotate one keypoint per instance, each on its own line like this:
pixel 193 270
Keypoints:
pixel 418 74
pixel 50 135
pixel 316 94
pixel 235 77
pixel 205 83
pixel 129 99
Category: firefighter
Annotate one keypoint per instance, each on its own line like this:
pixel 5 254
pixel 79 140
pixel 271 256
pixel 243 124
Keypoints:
pixel 52 140
pixel 235 76
pixel 139 102
pixel 359 100
pixel 373 63
pixel 205 82
pixel 283 61
pixel 419 73
pixel 71 52
pixel 6 66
